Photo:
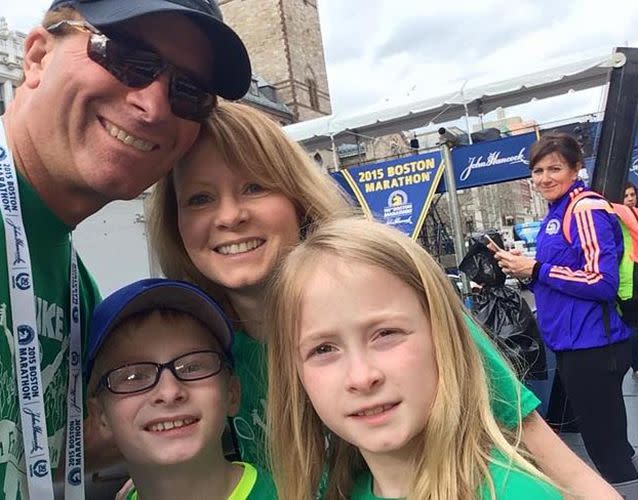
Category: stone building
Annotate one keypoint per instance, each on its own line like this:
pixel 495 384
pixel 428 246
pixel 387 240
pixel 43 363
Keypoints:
pixel 11 47
pixel 283 38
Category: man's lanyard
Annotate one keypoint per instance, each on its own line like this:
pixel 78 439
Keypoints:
pixel 27 349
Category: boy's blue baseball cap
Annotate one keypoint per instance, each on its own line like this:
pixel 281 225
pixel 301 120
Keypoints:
pixel 231 64
pixel 156 293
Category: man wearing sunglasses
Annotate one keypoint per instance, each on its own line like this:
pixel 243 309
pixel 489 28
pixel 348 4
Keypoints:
pixel 114 93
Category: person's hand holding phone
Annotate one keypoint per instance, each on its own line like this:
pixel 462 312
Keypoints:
pixel 513 263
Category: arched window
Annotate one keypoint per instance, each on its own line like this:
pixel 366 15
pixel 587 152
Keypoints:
pixel 313 94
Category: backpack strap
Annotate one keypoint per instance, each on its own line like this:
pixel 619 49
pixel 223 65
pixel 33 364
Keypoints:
pixel 629 218
pixel 567 216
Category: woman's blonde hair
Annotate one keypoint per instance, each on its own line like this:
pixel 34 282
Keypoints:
pixel 461 432
pixel 250 141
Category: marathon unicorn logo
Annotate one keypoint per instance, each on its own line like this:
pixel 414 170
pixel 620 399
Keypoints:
pixel 553 226
pixel 398 209
pixel 25 334
pixel 75 476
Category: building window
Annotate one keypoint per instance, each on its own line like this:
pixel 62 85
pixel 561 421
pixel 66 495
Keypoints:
pixel 469 225
pixel 313 94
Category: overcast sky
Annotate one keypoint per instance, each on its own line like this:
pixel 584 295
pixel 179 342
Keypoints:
pixel 385 50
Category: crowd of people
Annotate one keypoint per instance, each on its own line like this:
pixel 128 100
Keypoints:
pixel 343 359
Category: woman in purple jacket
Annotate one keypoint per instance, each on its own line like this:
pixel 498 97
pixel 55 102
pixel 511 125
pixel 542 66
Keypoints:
pixel 575 282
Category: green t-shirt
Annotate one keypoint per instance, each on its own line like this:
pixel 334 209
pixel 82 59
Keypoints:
pixel 509 484
pixel 49 248
pixel 250 366
pixel 254 484
pixel 250 422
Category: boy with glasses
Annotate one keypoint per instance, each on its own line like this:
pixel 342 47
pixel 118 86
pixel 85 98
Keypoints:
pixel 161 385
pixel 113 95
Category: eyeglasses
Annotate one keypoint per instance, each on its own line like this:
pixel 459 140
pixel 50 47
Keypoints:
pixel 138 68
pixel 138 377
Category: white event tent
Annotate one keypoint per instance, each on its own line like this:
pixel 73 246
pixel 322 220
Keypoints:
pixel 327 131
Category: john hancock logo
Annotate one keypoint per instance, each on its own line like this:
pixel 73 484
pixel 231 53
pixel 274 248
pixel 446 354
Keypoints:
pixel 19 242
pixel 25 334
pixel 492 159
pixel 3 154
pixel 36 428
pixel 398 209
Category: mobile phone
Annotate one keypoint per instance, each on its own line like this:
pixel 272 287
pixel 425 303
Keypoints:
pixel 492 242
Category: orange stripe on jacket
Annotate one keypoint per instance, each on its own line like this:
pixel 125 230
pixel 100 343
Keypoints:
pixel 588 240
pixel 589 279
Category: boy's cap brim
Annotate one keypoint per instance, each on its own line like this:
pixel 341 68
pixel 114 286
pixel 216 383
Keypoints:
pixel 231 65
pixel 151 294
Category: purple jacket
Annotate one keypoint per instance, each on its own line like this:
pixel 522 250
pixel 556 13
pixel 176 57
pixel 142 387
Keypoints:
pixel 577 283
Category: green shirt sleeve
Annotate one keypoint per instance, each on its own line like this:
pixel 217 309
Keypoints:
pixel 511 483
pixel 503 383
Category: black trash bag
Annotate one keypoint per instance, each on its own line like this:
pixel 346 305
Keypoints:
pixel 502 311
pixel 480 265
pixel 508 319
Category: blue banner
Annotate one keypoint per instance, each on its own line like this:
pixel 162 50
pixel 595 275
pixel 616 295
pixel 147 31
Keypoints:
pixel 633 170
pixel 397 192
pixel 492 162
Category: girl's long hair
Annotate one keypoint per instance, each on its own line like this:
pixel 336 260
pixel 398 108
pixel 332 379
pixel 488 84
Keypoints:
pixel 461 432
pixel 248 140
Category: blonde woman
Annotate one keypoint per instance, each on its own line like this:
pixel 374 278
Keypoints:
pixel 227 215
pixel 368 341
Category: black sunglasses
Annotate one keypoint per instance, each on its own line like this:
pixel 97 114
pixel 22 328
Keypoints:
pixel 137 68
pixel 139 377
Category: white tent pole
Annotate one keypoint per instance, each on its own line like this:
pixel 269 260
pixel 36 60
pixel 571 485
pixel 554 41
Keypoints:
pixel 335 156
pixel 467 113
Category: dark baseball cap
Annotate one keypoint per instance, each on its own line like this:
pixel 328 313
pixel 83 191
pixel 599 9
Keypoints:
pixel 231 64
pixel 152 294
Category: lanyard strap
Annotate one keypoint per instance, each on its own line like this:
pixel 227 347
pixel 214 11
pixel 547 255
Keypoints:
pixel 27 348
pixel 73 486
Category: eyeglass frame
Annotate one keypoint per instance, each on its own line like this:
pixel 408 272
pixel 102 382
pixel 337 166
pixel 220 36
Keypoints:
pixel 103 382
pixel 99 39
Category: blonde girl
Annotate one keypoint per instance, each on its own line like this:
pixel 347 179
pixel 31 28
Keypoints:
pixel 240 200
pixel 368 347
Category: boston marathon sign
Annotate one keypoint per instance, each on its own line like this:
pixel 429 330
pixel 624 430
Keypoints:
pixel 397 192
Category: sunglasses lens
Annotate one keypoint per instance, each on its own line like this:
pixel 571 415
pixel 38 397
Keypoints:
pixel 188 99
pixel 138 68
pixel 133 67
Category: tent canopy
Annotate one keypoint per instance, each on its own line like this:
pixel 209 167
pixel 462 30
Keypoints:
pixel 375 122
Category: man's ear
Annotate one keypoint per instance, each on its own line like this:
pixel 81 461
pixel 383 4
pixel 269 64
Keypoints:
pixel 97 421
pixel 234 395
pixel 38 44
